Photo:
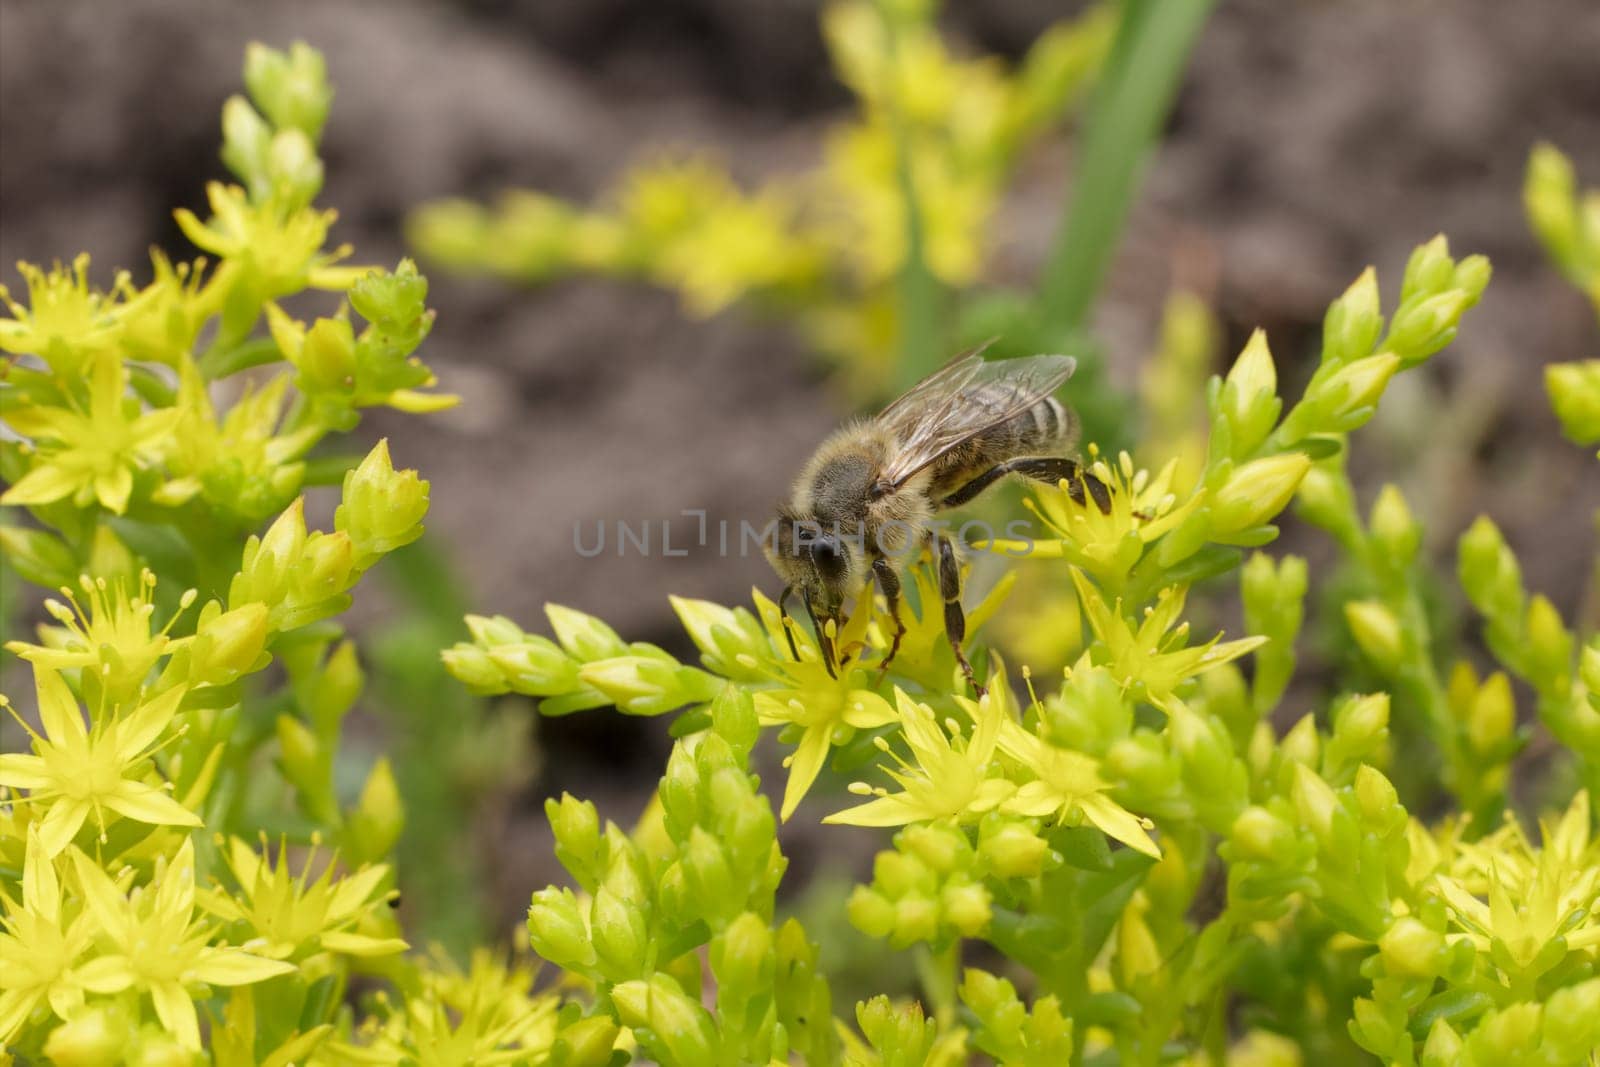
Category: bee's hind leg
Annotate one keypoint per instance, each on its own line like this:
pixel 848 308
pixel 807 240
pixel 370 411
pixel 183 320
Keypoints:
pixel 889 582
pixel 955 620
pixel 1048 469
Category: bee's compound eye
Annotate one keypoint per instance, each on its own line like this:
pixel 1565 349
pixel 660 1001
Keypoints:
pixel 828 555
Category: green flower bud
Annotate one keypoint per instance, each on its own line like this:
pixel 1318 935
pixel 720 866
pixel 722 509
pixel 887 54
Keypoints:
pixel 227 644
pixel 1256 492
pixel 584 636
pixel 1472 277
pixel 706 871
pixel 291 88
pixel 1428 270
pixel 1572 1022
pixel 741 956
pixel 1394 531
pixel 1316 804
pixel 1411 950
pixel 97 1035
pixel 621 937
pixel 731 643
pixel 966 907
pixel 1381 1028
pixel 1249 397
pixel 1351 327
pixel 557 931
pixel 327 361
pixel 870 911
pixel 1325 498
pixel 648 685
pixel 537 667
pixel 306 765
pixel 498 630
pixel 680 1030
pixel 942 848
pixel 1302 744
pixel 1549 197
pixel 1142 760
pixel 1506 1035
pixel 379 816
pixel 1376 796
pixel 246 138
pixel 337 688
pixel 733 718
pixel 1012 849
pixel 153 1048
pixel 1492 715
pixel 1259 835
pixel 585 1043
pixel 898 874
pixel 293 169
pixel 1346 399
pixel 1361 724
pixel 576 826
pixel 396 299
pixel 1444 1047
pixel 1574 390
pixel 39 557
pixel 916 918
pixel 1549 645
pixel 1489 572
pixel 1423 329
pixel 382 508
pixel 899 1034
pixel 1377 632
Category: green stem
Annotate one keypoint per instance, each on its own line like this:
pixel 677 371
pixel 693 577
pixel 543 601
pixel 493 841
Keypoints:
pixel 1141 78
pixel 920 350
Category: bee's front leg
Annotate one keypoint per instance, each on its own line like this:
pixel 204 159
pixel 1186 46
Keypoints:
pixel 824 641
pixel 955 620
pixel 889 582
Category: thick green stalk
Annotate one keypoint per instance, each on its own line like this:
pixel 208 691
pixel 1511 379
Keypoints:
pixel 1135 94
pixel 920 348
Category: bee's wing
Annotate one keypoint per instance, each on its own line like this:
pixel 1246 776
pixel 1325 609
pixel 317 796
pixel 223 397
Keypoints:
pixel 964 399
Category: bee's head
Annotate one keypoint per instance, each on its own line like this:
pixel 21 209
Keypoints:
pixel 820 563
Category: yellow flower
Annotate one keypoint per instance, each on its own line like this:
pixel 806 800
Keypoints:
pixel 282 253
pixel 1152 661
pixel 66 321
pixel 1108 544
pixel 89 455
pixel 951 776
pixel 1067 784
pixel 1528 907
pixel 110 637
pixel 292 916
pixel 40 946
pixel 487 1016
pixel 818 704
pixel 77 771
pixel 161 915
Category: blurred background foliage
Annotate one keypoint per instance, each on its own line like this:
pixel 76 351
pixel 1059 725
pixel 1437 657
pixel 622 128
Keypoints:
pixel 836 199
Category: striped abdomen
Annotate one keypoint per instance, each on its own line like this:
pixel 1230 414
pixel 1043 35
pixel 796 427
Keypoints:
pixel 1047 428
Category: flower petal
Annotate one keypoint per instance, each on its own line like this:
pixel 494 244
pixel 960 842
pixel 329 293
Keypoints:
pixel 146 803
pixel 235 966
pixel 805 765
pixel 107 974
pixel 1116 821
pixel 58 708
pixel 885 811
pixel 361 944
pixel 176 1012
pixel 25 772
pixel 61 824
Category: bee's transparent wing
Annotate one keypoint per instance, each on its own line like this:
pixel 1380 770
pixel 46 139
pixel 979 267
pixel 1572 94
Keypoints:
pixel 957 403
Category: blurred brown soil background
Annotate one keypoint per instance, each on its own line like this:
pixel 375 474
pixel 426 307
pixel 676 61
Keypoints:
pixel 1310 139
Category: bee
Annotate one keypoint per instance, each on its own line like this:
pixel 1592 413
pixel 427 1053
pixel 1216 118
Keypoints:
pixel 866 500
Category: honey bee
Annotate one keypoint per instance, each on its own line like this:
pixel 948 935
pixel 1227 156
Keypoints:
pixel 865 503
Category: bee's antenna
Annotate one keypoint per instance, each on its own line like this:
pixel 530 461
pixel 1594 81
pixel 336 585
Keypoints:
pixel 823 640
pixel 788 625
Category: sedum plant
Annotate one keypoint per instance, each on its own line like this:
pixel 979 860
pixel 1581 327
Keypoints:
pixel 1166 875
pixel 1129 861
pixel 194 866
